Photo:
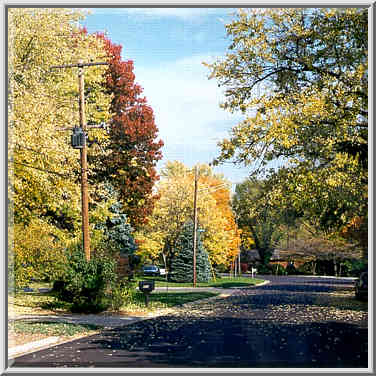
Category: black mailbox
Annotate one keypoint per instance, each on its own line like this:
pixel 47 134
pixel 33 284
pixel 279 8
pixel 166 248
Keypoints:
pixel 146 286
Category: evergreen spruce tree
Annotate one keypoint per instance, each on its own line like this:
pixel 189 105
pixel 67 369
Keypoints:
pixel 182 263
pixel 118 233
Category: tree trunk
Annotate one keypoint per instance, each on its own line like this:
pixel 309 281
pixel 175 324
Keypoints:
pixel 335 267
pixel 165 262
pixel 168 258
pixel 212 270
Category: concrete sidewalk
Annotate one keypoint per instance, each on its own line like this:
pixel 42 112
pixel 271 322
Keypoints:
pixel 105 321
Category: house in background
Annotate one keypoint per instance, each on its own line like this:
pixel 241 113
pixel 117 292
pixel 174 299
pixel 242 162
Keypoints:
pixel 280 257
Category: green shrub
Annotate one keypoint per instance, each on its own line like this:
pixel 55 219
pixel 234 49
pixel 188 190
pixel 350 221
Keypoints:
pixel 87 285
pixel 221 268
pixel 305 269
pixel 274 269
pixel 123 292
pixel 352 267
pixel 264 269
pixel 277 269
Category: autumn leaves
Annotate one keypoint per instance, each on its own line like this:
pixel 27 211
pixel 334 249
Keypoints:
pixel 221 237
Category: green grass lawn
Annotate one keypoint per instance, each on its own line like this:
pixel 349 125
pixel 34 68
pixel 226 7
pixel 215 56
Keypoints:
pixel 223 282
pixel 23 302
pixel 32 302
pixel 169 299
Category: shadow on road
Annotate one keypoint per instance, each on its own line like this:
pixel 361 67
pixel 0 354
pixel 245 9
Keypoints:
pixel 170 341
pixel 289 323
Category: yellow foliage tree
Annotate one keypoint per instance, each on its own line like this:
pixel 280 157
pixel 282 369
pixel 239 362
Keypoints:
pixel 175 207
pixel 300 78
pixel 44 170
pixel 43 167
pixel 38 251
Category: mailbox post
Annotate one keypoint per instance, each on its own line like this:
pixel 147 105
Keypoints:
pixel 146 287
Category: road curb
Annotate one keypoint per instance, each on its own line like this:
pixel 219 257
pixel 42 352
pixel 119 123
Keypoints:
pixel 326 276
pixel 262 284
pixel 32 346
pixel 209 288
pixel 225 294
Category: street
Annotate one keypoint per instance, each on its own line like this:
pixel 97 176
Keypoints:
pixel 291 322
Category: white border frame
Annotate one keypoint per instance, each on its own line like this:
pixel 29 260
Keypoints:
pixel 199 4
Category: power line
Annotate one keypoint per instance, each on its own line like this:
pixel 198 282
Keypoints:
pixel 41 169
pixel 24 148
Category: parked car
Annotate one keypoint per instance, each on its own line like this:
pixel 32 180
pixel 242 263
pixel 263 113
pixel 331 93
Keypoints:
pixel 162 271
pixel 151 270
pixel 361 286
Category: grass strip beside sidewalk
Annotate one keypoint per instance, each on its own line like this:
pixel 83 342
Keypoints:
pixel 21 332
pixel 51 328
pixel 172 298
pixel 224 282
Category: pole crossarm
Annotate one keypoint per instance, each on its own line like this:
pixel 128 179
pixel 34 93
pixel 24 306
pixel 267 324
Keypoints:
pixel 78 65
pixel 213 189
pixel 87 126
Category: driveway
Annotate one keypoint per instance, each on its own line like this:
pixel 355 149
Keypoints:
pixel 300 322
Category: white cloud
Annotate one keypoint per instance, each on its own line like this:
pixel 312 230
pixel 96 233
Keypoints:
pixel 185 102
pixel 187 113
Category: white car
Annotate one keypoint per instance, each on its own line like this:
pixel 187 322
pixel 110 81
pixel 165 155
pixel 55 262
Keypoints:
pixel 162 271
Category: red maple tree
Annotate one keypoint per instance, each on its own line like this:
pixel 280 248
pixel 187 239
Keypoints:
pixel 133 147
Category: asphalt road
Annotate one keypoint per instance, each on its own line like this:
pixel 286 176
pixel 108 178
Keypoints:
pixel 295 322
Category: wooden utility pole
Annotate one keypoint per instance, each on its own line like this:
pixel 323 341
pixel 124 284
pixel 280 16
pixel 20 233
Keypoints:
pixel 83 152
pixel 195 229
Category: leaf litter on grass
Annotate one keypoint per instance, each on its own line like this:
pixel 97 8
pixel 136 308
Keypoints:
pixel 22 331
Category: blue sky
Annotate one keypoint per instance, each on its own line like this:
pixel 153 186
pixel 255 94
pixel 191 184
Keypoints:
pixel 168 46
